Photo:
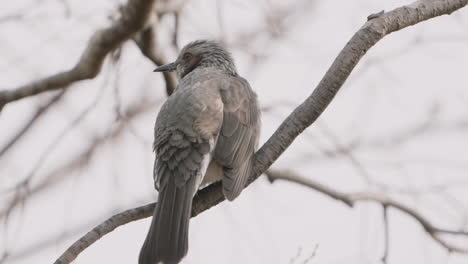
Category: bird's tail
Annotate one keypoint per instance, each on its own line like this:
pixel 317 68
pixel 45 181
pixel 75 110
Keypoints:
pixel 167 239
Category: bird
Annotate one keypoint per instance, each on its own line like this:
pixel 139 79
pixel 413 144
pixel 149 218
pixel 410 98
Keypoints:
pixel 206 131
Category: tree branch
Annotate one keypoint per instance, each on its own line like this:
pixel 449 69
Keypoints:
pixel 302 117
pixel 384 200
pixel 108 226
pixel 146 41
pixel 135 16
pixel 79 161
pixel 37 115
pixel 386 234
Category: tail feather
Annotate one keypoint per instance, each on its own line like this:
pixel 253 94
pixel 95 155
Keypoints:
pixel 167 239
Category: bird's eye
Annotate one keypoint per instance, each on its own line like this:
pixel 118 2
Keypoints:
pixel 187 56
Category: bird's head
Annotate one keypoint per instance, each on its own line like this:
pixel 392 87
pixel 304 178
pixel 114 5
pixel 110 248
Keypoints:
pixel 201 54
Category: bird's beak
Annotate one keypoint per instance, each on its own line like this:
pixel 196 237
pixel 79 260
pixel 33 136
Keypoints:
pixel 167 67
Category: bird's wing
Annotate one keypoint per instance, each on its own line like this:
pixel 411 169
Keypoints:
pixel 181 150
pixel 239 135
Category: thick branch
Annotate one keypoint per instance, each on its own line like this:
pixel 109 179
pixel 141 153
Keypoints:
pixel 108 226
pixel 135 16
pixel 305 114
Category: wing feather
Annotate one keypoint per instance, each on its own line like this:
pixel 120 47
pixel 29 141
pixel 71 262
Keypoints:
pixel 239 135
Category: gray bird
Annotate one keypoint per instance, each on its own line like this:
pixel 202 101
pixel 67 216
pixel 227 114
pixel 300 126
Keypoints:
pixel 206 131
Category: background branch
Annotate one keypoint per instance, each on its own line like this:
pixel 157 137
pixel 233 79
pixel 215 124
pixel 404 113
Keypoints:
pixel 146 42
pixel 382 199
pixel 27 126
pixel 135 16
pixel 386 234
pixel 80 160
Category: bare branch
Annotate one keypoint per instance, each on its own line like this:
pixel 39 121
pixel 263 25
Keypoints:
pixel 273 175
pixel 302 117
pixel 293 259
pixel 311 256
pixel 108 226
pixel 359 167
pixel 430 124
pixel 23 192
pixel 384 200
pixel 146 41
pixel 386 234
pixel 39 112
pixel 135 16
pixel 56 142
pixel 12 17
pixel 175 33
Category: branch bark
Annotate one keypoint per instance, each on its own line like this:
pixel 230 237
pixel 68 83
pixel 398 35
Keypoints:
pixel 135 16
pixel 302 117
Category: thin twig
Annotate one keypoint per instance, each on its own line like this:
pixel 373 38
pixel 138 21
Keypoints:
pixel 386 234
pixel 384 200
pixel 175 33
pixel 63 172
pixel 273 175
pixel 359 167
pixel 311 256
pixel 57 140
pixel 298 254
pixel 27 126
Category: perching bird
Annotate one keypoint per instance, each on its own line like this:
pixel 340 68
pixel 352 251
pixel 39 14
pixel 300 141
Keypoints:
pixel 206 131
